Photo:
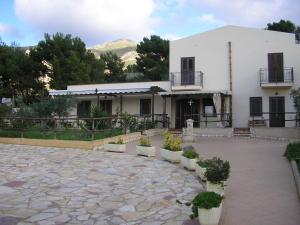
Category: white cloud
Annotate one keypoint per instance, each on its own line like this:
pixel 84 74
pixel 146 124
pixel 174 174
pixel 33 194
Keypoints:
pixel 93 20
pixel 8 30
pixel 252 12
pixel 210 18
pixel 171 37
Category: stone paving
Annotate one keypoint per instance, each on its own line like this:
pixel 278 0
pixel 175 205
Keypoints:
pixel 51 186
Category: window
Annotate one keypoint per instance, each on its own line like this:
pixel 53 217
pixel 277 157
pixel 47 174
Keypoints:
pixel 106 106
pixel 84 109
pixel 255 106
pixel 208 107
pixel 145 107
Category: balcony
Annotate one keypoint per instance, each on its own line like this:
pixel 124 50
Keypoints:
pixel 281 78
pixel 191 80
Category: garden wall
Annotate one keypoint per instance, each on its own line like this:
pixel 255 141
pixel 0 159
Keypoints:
pixel 279 133
pixel 89 145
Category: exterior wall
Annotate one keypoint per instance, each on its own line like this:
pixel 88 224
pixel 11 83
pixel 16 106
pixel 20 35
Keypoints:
pixel 250 48
pixel 131 104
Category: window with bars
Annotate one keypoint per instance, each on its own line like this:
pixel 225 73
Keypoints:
pixel 255 106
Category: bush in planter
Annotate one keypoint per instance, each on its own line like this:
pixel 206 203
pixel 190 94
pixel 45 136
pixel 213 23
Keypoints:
pixel 203 163
pixel 145 142
pixel 191 154
pixel 171 143
pixel 217 171
pixel 118 142
pixel 206 200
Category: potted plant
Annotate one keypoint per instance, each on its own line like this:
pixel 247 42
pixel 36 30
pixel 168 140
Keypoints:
pixel 171 149
pixel 207 206
pixel 201 167
pixel 118 146
pixel 217 174
pixel 145 148
pixel 189 158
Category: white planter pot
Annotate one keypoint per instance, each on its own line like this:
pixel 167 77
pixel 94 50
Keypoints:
pixel 209 216
pixel 190 164
pixel 115 147
pixel 200 171
pixel 217 188
pixel 172 156
pixel 146 151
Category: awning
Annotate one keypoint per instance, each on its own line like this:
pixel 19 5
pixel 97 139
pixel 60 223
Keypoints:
pixel 106 91
pixel 174 93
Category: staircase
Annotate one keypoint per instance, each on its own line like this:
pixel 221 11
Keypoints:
pixel 244 132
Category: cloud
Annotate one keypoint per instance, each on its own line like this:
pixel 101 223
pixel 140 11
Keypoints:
pixel 255 13
pixel 93 20
pixel 10 31
pixel 171 37
pixel 210 18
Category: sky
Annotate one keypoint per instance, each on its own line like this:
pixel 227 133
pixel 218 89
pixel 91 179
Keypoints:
pixel 98 21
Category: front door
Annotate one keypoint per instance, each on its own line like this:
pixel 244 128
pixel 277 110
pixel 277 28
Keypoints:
pixel 188 71
pixel 185 110
pixel 277 111
pixel 275 67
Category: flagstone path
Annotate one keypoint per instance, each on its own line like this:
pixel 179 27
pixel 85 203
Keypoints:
pixel 51 186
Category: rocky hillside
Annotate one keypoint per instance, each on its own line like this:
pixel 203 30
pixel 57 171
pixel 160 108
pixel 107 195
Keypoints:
pixel 126 49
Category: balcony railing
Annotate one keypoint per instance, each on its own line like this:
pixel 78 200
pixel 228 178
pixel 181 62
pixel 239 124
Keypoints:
pixel 269 76
pixel 191 78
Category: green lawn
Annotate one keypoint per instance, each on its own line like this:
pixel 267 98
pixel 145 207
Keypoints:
pixel 66 134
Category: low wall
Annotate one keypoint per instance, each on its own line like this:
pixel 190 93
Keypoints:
pixel 278 133
pixel 89 145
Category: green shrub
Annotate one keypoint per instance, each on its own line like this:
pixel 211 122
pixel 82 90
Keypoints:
pixel 5 110
pixel 144 141
pixel 205 200
pixel 217 171
pixel 203 163
pixel 191 154
pixel 293 151
pixel 171 143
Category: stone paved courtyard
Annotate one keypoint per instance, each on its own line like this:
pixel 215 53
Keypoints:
pixel 49 186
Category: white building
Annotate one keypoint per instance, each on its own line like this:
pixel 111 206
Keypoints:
pixel 232 72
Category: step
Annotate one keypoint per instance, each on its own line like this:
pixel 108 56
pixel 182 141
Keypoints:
pixel 241 131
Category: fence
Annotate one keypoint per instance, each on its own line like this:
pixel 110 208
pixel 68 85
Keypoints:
pixel 205 120
pixel 268 118
pixel 74 128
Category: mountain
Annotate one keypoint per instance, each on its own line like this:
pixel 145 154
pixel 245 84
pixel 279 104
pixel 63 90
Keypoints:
pixel 126 49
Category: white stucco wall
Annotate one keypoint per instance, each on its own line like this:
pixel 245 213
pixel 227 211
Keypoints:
pixel 250 48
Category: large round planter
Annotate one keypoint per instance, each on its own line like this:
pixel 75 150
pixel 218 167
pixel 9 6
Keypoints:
pixel 200 171
pixel 171 156
pixel 217 188
pixel 209 216
pixel 115 147
pixel 145 151
pixel 190 164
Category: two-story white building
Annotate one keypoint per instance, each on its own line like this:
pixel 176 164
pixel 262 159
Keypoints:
pixel 231 76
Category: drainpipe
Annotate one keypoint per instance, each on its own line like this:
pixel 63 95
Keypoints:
pixel 230 77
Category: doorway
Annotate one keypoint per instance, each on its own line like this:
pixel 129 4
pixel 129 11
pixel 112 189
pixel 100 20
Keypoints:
pixel 277 111
pixel 184 111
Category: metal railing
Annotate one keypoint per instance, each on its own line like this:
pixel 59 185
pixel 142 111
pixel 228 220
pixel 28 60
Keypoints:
pixel 75 128
pixel 204 119
pixel 276 75
pixel 266 117
pixel 187 78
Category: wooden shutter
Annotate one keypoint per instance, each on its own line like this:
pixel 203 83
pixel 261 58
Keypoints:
pixel 255 106
pixel 275 67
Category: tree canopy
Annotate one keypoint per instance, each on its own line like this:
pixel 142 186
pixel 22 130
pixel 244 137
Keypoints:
pixel 70 61
pixel 153 57
pixel 20 74
pixel 114 67
pixel 285 26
